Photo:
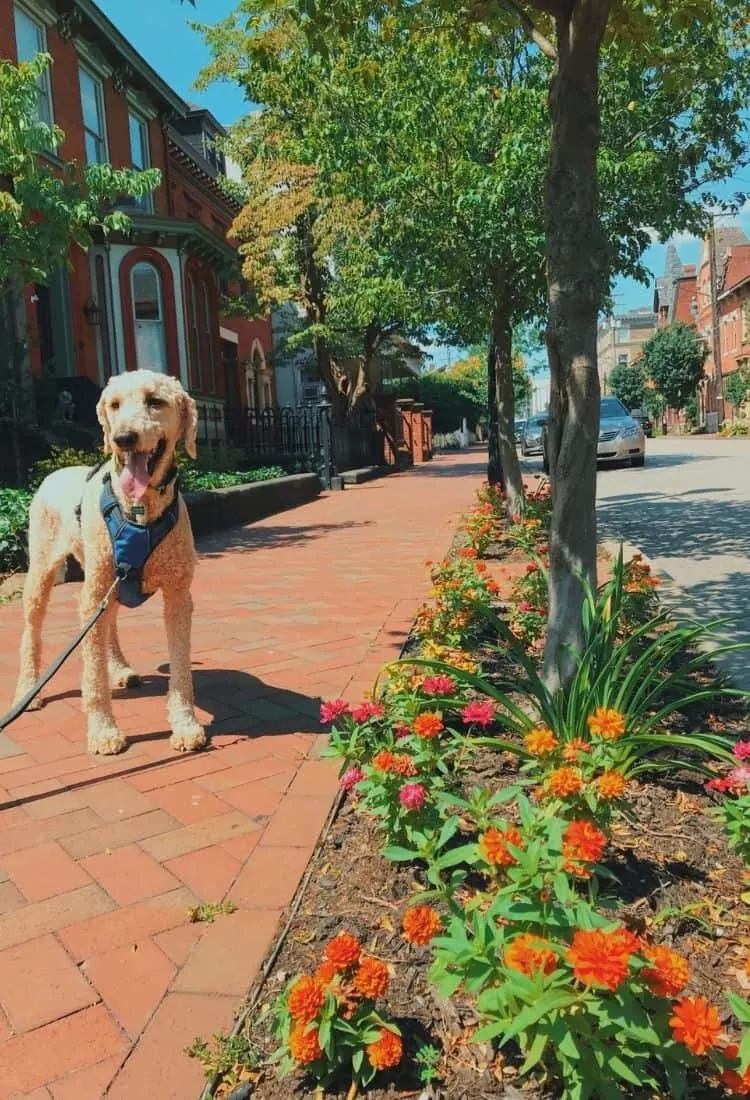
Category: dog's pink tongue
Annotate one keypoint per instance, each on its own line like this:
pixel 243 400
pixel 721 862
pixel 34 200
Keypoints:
pixel 135 477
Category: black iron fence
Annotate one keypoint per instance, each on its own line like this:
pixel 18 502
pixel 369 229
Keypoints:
pixel 302 438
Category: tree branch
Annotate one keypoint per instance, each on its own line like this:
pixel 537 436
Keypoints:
pixel 530 26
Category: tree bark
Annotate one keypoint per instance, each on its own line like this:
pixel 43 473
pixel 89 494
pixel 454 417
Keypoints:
pixel 505 403
pixel 577 271
pixel 494 461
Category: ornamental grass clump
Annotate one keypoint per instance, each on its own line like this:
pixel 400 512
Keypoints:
pixel 329 1024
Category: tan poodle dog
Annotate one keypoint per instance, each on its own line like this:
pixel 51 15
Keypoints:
pixel 143 415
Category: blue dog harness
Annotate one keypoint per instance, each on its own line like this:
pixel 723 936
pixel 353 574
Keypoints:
pixel 133 543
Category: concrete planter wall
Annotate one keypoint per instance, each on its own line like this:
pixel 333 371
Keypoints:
pixel 216 509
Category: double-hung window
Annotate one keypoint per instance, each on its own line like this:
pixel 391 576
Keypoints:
pixel 31 39
pixel 94 118
pixel 139 155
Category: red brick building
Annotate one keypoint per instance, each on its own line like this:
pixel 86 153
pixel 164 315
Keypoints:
pixel 684 294
pixel 152 298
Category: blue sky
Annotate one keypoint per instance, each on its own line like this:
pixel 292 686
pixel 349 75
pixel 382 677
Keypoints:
pixel 160 31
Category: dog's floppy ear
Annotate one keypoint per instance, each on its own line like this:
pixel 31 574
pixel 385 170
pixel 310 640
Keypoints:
pixel 101 416
pixel 189 424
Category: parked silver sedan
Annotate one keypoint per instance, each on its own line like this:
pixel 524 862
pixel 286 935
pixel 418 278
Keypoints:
pixel 621 437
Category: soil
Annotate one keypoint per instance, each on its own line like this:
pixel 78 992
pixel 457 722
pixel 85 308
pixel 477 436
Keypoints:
pixel 670 860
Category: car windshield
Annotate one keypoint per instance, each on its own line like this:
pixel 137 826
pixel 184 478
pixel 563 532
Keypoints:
pixel 611 409
pixel 537 422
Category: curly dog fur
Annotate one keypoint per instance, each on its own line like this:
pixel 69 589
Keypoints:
pixel 143 413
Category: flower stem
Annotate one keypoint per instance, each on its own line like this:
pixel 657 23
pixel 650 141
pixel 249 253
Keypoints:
pixel 353 1092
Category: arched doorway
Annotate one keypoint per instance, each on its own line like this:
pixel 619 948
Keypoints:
pixel 148 317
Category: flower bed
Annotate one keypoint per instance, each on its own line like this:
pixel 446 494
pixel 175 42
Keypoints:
pixel 555 901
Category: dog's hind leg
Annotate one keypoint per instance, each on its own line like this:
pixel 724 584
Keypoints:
pixel 45 558
pixel 121 675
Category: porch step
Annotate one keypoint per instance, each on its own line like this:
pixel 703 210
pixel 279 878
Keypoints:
pixel 367 473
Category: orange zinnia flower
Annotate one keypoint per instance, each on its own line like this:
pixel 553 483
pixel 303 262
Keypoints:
pixel 599 958
pixel 371 978
pixel 574 749
pixel 305 999
pixel 737 1083
pixel 326 973
pixel 403 765
pixel 541 741
pixel 564 782
pixel 384 761
pixel 428 725
pixel 386 1052
pixel 304 1046
pixel 494 846
pixel 611 785
pixel 696 1024
pixel 669 974
pixel 343 951
pixel 583 841
pixel 607 723
pixel 421 925
pixel 530 954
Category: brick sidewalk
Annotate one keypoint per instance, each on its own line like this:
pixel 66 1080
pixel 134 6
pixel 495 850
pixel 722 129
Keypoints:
pixel 103 980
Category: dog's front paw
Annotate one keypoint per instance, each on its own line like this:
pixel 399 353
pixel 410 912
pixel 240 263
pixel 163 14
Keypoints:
pixel 188 738
pixel 106 740
pixel 125 678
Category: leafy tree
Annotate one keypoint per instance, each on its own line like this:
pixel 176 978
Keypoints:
pixel 674 358
pixel 43 211
pixel 627 381
pixel 737 386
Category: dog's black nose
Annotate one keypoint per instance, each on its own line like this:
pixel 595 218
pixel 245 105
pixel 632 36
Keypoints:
pixel 126 441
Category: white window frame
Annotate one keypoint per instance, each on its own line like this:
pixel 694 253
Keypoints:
pixel 146 202
pixel 98 83
pixel 44 83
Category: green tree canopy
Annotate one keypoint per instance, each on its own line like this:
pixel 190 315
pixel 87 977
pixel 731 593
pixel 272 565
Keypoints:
pixel 737 386
pixel 627 381
pixel 675 357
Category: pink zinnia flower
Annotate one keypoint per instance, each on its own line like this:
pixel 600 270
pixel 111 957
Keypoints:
pixel 742 750
pixel 367 710
pixel 332 710
pixel 438 685
pixel 351 778
pixel 721 785
pixel 401 731
pixel 479 714
pixel 412 796
pixel 525 606
pixel 532 568
pixel 739 777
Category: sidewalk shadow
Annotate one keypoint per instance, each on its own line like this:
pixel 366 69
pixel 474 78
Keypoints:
pixel 252 537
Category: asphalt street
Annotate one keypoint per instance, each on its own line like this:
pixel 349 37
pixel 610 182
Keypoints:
pixel 688 510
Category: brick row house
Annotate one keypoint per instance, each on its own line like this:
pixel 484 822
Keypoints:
pixel 683 293
pixel 152 298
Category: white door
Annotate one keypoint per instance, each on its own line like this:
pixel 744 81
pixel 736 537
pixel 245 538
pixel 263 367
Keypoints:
pixel 148 318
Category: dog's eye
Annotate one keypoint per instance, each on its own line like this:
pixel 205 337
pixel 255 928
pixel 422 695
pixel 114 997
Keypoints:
pixel 155 402
pixel 114 405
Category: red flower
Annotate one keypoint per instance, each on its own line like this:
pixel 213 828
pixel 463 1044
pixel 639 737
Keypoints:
pixel 696 1024
pixel 438 685
pixel 582 843
pixel 412 796
pixel 332 710
pixel 304 1046
pixel 367 710
pixel 479 714
pixel 669 973
pixel 428 725
pixel 529 954
pixel 737 1083
pixel 371 978
pixel 494 846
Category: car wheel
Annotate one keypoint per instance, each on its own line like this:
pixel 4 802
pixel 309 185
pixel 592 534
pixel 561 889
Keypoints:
pixel 638 460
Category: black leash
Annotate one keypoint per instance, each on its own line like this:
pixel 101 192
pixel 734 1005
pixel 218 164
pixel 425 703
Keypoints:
pixel 22 704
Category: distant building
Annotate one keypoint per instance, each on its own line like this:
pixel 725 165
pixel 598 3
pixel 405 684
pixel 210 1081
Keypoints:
pixel 620 340
pixel 684 294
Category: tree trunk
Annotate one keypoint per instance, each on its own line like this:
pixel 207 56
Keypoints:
pixel 577 270
pixel 505 402
pixel 494 462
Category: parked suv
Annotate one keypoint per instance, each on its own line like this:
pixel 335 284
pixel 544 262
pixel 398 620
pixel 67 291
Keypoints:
pixel 531 439
pixel 644 421
pixel 621 437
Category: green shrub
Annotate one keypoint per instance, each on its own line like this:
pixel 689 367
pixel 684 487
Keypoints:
pixel 735 429
pixel 59 459
pixel 195 480
pixel 14 519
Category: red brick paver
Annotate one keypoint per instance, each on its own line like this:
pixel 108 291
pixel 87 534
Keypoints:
pixel 103 980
